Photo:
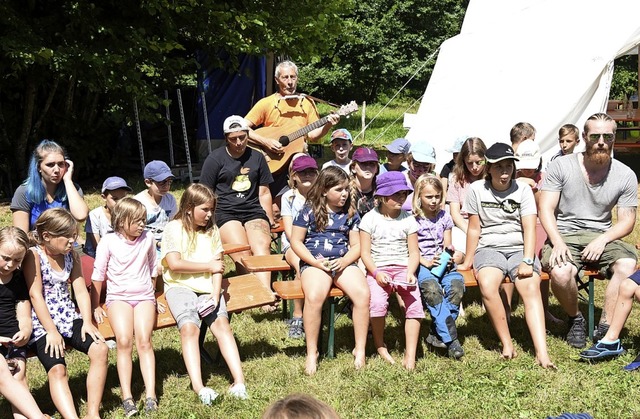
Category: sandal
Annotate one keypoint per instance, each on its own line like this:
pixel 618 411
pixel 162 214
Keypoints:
pixel 129 407
pixel 150 405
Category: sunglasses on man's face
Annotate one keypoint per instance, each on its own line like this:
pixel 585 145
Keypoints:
pixel 607 137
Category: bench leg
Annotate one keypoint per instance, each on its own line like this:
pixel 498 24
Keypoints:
pixel 591 310
pixel 332 330
pixel 204 355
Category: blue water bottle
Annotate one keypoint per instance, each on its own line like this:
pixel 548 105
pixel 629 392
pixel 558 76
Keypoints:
pixel 445 257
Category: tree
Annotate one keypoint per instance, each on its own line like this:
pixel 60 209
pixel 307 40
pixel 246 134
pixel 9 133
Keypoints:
pixel 70 69
pixel 384 44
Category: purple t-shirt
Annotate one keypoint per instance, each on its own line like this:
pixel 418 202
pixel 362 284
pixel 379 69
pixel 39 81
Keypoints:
pixel 431 233
pixel 331 243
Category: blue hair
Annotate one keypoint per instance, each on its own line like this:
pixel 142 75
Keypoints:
pixel 36 192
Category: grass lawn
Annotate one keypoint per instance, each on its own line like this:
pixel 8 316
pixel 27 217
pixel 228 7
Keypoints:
pixel 480 385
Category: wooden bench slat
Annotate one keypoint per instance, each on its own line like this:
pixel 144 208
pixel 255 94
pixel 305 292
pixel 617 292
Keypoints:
pixel 470 278
pixel 292 290
pixel 266 263
pixel 229 248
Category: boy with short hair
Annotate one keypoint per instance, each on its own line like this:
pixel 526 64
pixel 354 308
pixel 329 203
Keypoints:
pixel 341 143
pixel 396 156
pixel 568 139
pixel 520 132
pixel 160 204
pixel 114 188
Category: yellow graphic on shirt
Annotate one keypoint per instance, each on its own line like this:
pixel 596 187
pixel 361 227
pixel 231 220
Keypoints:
pixel 242 182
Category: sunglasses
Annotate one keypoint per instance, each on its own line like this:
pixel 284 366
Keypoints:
pixel 607 137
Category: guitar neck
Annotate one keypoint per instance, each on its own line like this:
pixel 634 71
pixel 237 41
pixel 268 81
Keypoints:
pixel 305 130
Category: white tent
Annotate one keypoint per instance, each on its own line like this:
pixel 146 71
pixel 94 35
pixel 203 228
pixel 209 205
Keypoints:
pixel 546 62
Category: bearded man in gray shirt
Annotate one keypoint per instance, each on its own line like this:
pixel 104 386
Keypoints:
pixel 578 195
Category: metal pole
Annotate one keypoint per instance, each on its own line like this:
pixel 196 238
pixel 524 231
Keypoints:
pixel 168 122
pixel 184 134
pixel 206 120
pixel 139 132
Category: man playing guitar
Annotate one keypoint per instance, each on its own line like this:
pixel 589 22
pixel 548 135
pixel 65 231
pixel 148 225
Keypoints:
pixel 280 114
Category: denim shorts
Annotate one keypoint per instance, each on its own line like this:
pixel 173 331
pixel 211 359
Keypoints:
pixel 183 304
pixel 507 262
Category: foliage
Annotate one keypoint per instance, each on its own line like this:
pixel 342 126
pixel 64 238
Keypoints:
pixel 384 43
pixel 70 70
pixel 625 77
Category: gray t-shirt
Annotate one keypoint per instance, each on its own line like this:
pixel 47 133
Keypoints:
pixel 583 206
pixel 500 213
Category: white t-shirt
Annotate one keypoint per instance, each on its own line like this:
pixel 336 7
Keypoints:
pixel 344 167
pixel 389 237
pixel 158 215
pixel 99 224
pixel 500 213
pixel 291 204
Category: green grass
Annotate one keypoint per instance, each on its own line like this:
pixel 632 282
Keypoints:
pixel 480 385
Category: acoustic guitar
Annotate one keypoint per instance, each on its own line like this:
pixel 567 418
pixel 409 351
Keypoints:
pixel 294 143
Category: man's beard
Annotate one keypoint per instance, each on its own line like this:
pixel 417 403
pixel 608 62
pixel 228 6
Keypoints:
pixel 598 156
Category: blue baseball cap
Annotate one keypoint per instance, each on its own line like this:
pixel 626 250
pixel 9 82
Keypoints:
pixel 157 170
pixel 423 152
pixel 114 182
pixel 399 146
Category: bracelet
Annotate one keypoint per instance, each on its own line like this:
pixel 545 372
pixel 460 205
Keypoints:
pixel 375 273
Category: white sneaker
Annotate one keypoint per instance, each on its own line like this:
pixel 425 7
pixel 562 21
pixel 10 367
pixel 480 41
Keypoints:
pixel 207 396
pixel 239 391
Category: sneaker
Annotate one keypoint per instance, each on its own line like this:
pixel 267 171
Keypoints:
pixel 239 391
pixel 434 341
pixel 207 396
pixel 600 332
pixel 603 350
pixel 129 407
pixel 455 350
pixel 577 336
pixel 150 405
pixel 296 328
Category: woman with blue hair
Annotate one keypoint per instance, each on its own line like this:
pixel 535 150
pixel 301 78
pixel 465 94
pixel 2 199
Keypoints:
pixel 48 185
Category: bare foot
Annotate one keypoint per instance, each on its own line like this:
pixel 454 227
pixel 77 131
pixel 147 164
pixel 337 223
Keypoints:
pixel 546 364
pixel 384 354
pixel 359 359
pixel 311 364
pixel 409 364
pixel 508 354
pixel 269 308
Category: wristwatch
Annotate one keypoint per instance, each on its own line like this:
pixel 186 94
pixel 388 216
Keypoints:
pixel 528 261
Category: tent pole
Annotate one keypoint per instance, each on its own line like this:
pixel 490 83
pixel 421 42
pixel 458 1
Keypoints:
pixel 184 134
pixel 205 115
pixel 140 149
pixel 168 122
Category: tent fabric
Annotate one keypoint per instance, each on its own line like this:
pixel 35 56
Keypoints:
pixel 229 91
pixel 546 62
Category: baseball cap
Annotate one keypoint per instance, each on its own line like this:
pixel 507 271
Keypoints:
pixel 399 146
pixel 341 134
pixel 423 152
pixel 157 170
pixel 389 183
pixel 457 144
pixel 303 163
pixel 529 154
pixel 498 152
pixel 364 154
pixel 240 122
pixel 114 182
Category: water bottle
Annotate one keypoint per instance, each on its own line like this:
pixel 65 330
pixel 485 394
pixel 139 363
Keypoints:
pixel 445 257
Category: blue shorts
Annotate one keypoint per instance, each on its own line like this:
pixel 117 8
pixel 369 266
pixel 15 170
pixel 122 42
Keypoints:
pixel 635 277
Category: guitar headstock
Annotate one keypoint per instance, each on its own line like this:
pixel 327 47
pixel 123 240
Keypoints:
pixel 348 108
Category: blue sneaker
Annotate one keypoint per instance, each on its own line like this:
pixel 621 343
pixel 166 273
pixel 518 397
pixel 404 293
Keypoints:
pixel 603 350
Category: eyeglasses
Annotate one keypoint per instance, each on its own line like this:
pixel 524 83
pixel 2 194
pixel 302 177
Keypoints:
pixel 607 137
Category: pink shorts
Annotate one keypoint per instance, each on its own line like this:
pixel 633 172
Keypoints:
pixel 379 302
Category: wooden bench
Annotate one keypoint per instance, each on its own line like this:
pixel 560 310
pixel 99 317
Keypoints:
pixel 240 293
pixel 470 278
pixel 292 290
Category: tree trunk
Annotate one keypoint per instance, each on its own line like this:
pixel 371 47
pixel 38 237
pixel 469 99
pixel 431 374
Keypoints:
pixel 20 148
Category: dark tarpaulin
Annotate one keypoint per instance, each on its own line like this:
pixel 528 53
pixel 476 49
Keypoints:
pixel 228 91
